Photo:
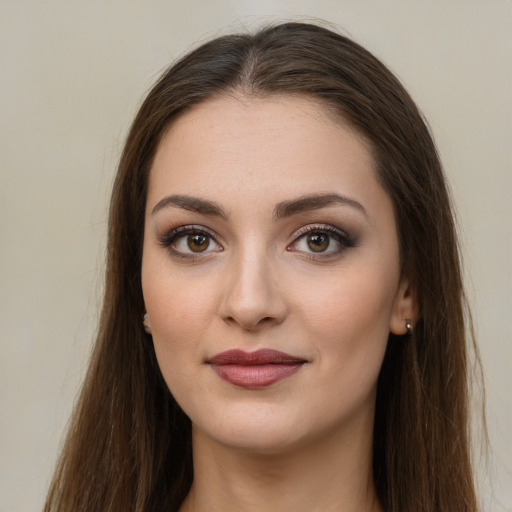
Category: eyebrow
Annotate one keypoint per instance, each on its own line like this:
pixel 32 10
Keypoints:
pixel 193 204
pixel 283 209
pixel 315 202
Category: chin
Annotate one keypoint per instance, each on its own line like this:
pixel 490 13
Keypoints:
pixel 257 441
pixel 260 432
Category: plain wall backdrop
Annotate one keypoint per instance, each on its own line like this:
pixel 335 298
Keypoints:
pixel 72 75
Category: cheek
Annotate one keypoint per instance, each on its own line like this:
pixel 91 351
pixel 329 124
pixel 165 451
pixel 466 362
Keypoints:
pixel 175 299
pixel 178 317
pixel 348 313
pixel 350 300
pixel 352 332
pixel 181 315
pixel 176 335
pixel 178 310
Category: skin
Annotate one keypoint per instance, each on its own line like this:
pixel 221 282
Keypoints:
pixel 304 442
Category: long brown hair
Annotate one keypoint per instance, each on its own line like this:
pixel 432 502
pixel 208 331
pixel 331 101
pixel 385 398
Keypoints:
pixel 129 444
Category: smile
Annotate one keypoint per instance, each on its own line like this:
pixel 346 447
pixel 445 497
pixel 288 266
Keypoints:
pixel 253 370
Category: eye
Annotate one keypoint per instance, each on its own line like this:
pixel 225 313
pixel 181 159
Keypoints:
pixel 320 241
pixel 195 243
pixel 190 241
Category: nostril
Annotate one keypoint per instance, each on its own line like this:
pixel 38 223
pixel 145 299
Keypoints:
pixel 252 304
pixel 249 325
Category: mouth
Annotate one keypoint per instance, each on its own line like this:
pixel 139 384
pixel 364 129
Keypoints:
pixel 253 370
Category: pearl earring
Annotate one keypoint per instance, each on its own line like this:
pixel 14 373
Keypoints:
pixel 146 323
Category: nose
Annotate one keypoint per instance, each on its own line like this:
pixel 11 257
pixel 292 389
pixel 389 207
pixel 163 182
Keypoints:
pixel 253 297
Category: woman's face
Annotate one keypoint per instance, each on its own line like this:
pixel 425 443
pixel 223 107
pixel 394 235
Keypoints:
pixel 270 272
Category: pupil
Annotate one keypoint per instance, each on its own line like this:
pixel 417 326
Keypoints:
pixel 318 242
pixel 198 243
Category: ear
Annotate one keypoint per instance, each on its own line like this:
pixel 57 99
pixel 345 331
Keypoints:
pixel 405 308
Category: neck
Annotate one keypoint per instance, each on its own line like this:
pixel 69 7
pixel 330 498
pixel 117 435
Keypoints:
pixel 329 475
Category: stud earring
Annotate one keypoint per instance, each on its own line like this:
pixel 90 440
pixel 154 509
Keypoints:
pixel 408 326
pixel 146 323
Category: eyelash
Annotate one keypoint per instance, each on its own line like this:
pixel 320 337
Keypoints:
pixel 170 238
pixel 344 241
pixel 341 238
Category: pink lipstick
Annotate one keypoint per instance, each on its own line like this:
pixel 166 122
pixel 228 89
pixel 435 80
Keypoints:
pixel 253 370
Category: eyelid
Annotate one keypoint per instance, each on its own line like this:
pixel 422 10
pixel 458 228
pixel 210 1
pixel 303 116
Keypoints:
pixel 320 227
pixel 169 237
pixel 341 237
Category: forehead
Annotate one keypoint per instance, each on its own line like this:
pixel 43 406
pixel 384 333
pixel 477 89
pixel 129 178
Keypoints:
pixel 247 149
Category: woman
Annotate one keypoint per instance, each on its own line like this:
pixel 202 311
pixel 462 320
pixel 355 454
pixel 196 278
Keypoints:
pixel 284 321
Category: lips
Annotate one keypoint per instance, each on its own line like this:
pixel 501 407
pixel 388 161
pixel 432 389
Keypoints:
pixel 253 370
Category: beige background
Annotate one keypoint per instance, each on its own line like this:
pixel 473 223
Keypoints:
pixel 72 75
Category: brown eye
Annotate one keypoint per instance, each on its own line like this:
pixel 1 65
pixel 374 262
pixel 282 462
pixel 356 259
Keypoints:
pixel 198 242
pixel 318 242
pixel 194 242
pixel 321 242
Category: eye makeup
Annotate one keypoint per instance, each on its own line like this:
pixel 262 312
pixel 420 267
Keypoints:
pixel 318 242
pixel 190 242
